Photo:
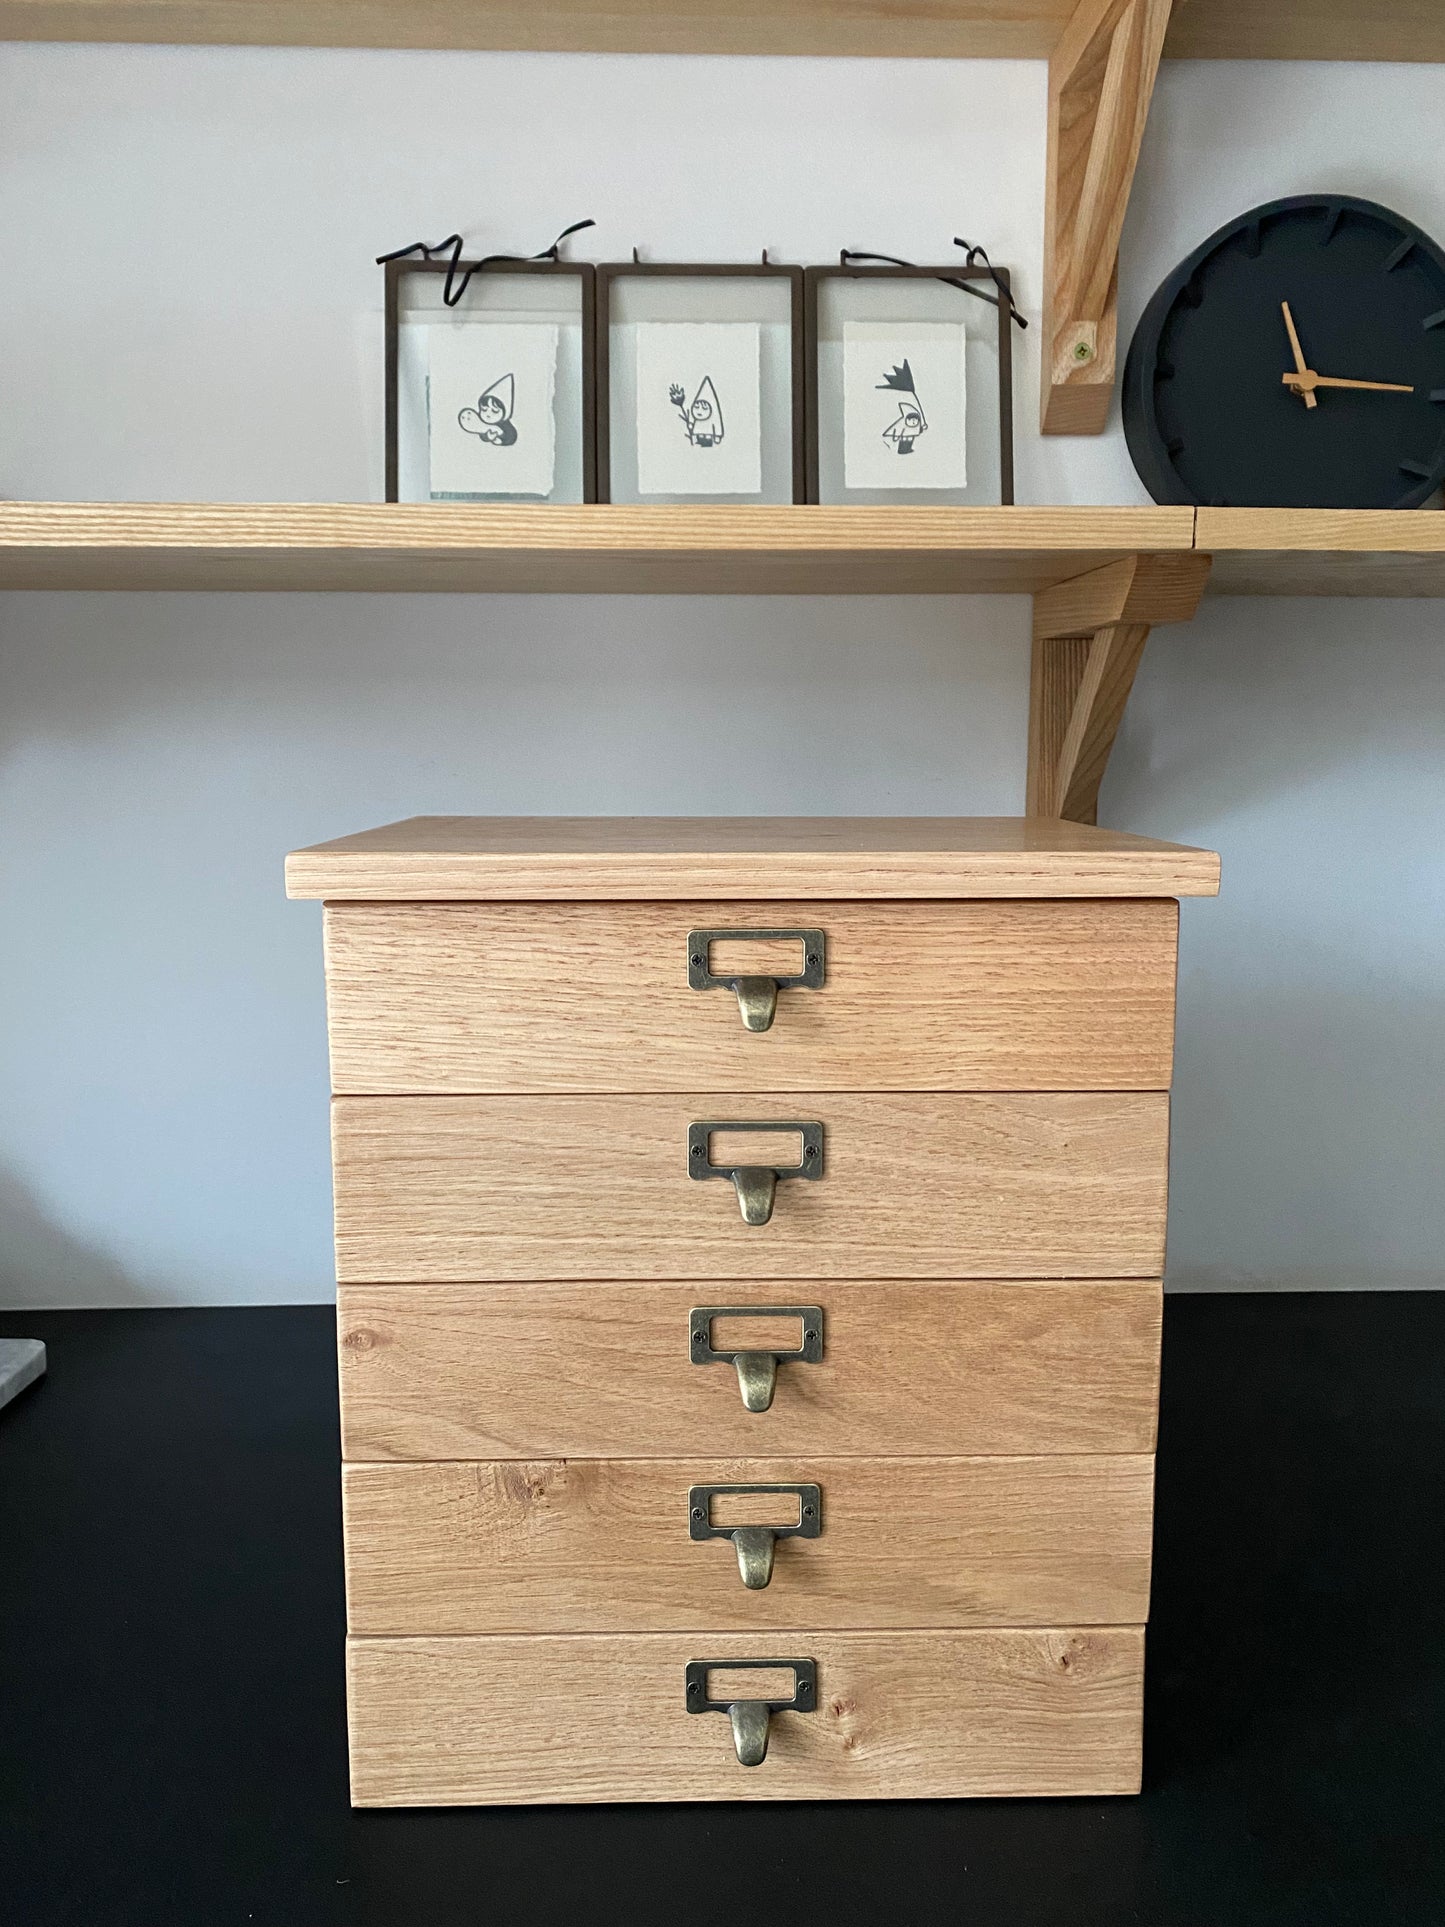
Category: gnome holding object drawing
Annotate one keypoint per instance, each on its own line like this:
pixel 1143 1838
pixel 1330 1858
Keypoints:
pixel 491 419
pixel 909 423
pixel 703 419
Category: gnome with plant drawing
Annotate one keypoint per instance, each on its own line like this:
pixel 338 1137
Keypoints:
pixel 703 418
pixel 909 423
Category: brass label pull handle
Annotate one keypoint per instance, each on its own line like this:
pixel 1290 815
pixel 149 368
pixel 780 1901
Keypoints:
pixel 757 995
pixel 757 1369
pixel 750 1719
pixel 755 1544
pixel 755 1184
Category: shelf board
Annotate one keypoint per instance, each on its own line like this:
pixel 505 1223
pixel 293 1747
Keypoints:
pixel 958 29
pixel 494 548
pixel 701 551
pixel 1335 552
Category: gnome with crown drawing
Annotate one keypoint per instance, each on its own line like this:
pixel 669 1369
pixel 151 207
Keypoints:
pixel 909 423
pixel 491 419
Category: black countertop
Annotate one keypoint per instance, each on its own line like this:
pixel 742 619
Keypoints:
pixel 172 1720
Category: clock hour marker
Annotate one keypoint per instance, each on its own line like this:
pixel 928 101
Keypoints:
pixel 1398 255
pixel 1253 239
pixel 1437 394
pixel 1436 320
pixel 1174 446
pixel 1422 469
pixel 1333 217
pixel 1164 371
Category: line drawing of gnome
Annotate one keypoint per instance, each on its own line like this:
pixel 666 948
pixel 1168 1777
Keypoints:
pixel 703 419
pixel 910 422
pixel 491 419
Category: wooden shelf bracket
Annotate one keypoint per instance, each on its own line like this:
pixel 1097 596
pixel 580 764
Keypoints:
pixel 1101 79
pixel 1089 637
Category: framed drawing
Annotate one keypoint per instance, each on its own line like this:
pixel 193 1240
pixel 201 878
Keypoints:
pixel 910 384
pixel 490 381
pixel 700 383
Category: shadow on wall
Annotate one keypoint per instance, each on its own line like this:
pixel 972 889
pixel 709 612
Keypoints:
pixel 1302 739
pixel 42 1265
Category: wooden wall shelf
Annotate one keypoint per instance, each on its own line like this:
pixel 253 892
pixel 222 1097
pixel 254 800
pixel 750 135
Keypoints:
pixel 1014 29
pixel 694 551
pixel 702 551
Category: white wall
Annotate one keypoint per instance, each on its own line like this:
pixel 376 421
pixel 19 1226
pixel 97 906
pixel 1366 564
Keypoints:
pixel 195 314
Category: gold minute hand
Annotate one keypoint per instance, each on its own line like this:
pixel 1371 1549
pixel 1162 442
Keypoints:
pixel 1307 380
pixel 1305 393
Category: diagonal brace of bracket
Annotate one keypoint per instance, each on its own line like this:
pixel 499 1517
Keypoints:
pixel 1089 637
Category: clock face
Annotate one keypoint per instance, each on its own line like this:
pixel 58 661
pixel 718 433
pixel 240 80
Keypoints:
pixel 1209 414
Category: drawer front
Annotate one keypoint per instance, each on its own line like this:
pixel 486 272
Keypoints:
pixel 595 997
pixel 448 1189
pixel 921 1715
pixel 484 1371
pixel 603 1545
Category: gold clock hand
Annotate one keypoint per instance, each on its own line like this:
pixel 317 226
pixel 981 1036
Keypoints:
pixel 1307 380
pixel 1303 389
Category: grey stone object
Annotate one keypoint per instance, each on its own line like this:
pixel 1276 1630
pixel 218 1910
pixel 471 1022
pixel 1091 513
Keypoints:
pixel 22 1360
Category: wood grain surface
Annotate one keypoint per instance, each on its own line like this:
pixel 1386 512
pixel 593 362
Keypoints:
pixel 552 548
pixel 1411 30
pixel 605 1370
pixel 601 1545
pixel 584 858
pixel 451 1189
pixel 476 997
pixel 600 1717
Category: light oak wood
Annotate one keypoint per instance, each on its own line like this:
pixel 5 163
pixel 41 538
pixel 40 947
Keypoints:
pixel 584 859
pixel 901 1715
pixel 450 1189
pixel 1089 638
pixel 958 29
pixel 1011 29
pixel 473 997
pixel 1101 80
pixel 482 1371
pixel 601 1545
pixel 554 549
pixel 1307 30
pixel 1352 552
pixel 1142 588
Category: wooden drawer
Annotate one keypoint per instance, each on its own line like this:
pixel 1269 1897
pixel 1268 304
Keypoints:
pixel 497 997
pixel 920 1715
pixel 602 1545
pixel 605 1370
pixel 448 1189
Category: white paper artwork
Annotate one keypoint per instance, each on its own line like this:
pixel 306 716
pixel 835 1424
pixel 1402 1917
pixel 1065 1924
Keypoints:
pixel 699 414
pixel 903 404
pixel 491 421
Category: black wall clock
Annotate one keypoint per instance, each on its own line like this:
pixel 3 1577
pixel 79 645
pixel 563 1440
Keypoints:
pixel 1295 360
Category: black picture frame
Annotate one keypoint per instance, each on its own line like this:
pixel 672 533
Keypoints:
pixel 585 273
pixel 991 279
pixel 609 273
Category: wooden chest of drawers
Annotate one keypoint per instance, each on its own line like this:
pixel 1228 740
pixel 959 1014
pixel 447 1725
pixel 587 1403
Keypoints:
pixel 749 1236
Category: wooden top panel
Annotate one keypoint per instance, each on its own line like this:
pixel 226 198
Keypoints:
pixel 1351 552
pixel 435 858
pixel 958 29
pixel 555 549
